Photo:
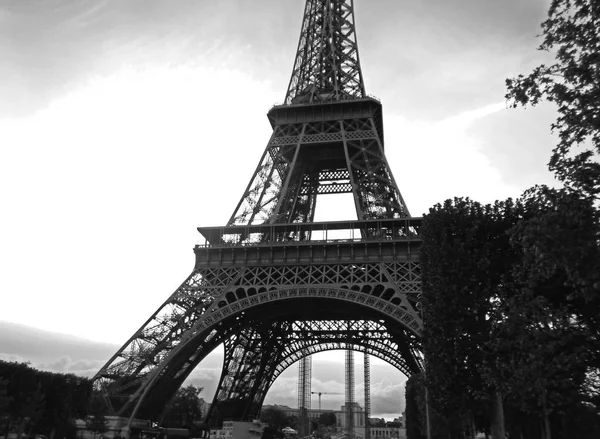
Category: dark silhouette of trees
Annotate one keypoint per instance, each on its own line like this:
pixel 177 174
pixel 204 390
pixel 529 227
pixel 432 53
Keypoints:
pixel 276 420
pixel 416 416
pixel 274 417
pixel 184 410
pixel 464 257
pixel 327 419
pixel 96 420
pixel 36 402
pixel 511 305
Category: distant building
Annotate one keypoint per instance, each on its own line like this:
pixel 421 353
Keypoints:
pixel 115 427
pixel 359 416
pixel 239 430
pixel 388 432
pixel 313 414
pixel 385 430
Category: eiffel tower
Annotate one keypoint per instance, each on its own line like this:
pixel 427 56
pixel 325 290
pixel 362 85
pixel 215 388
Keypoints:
pixel 273 286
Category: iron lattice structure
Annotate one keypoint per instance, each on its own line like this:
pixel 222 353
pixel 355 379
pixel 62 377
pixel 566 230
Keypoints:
pixel 273 286
pixel 349 389
pixel 304 393
pixel 327 66
pixel 367 374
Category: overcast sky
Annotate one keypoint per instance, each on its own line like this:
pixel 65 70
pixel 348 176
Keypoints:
pixel 125 124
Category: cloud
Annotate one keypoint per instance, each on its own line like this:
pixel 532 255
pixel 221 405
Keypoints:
pixel 387 397
pixel 52 47
pixel 425 57
pixel 86 368
pixel 435 58
pixel 63 365
pixel 436 160
pixel 519 143
pixel 208 378
pixel 93 170
pixel 12 358
pixel 45 347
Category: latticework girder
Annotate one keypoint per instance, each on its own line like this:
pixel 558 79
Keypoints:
pixel 221 305
pixel 349 393
pixel 367 389
pixel 288 342
pixel 303 160
pixel 304 388
pixel 327 65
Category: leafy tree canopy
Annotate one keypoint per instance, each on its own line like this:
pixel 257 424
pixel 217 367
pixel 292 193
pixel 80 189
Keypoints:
pixel 327 419
pixel 572 83
pixel 185 410
pixel 41 402
pixel 274 417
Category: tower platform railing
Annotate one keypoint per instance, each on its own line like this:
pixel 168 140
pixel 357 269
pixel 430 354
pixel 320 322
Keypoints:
pixel 397 230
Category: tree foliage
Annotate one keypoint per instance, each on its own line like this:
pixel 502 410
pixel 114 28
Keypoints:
pixel 572 83
pixel 96 420
pixel 550 332
pixel 415 408
pixel 276 420
pixel 511 309
pixel 548 342
pixel 184 410
pixel 37 402
pixel 274 417
pixel 464 256
pixel 327 419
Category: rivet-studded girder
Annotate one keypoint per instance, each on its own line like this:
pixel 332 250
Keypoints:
pixel 255 358
pixel 215 306
pixel 303 160
pixel 326 66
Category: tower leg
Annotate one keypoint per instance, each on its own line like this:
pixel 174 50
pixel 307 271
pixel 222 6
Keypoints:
pixel 248 368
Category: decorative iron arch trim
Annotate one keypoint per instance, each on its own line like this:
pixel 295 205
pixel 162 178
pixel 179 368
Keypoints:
pixel 323 347
pixel 223 309
pixel 208 321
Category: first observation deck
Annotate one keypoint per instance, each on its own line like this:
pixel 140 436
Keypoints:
pixel 308 243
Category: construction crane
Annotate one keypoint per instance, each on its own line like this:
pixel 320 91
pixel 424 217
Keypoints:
pixel 324 393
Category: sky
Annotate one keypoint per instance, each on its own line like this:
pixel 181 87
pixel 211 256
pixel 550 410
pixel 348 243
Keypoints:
pixel 126 124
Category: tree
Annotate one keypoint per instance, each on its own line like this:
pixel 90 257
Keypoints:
pixel 327 419
pixel 572 83
pixel 32 411
pixel 271 433
pixel 557 284
pixel 415 407
pixel 5 402
pixel 96 420
pixel 292 422
pixel 42 402
pixel 464 256
pixel 274 417
pixel 276 420
pixel 512 315
pixel 547 335
pixel 184 410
